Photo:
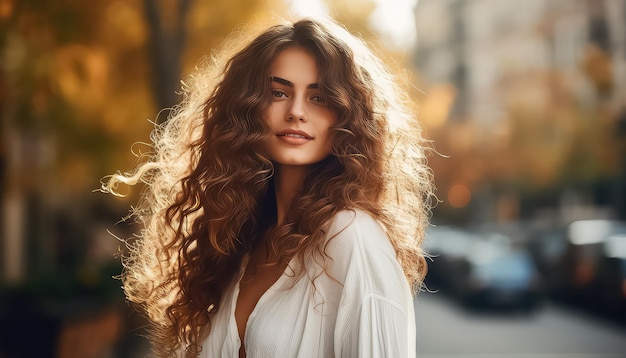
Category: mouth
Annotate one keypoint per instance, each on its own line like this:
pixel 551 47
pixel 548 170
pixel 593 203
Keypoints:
pixel 294 134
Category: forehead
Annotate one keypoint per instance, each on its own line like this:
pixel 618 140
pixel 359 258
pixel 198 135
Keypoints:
pixel 297 65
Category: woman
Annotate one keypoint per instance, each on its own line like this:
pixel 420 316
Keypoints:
pixel 285 204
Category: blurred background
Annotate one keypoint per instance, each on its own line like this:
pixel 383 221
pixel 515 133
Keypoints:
pixel 524 102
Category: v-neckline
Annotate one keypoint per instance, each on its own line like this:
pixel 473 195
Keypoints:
pixel 272 288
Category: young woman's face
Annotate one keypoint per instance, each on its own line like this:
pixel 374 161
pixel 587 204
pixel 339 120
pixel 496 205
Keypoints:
pixel 298 117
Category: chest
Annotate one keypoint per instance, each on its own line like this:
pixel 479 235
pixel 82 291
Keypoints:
pixel 256 280
pixel 294 316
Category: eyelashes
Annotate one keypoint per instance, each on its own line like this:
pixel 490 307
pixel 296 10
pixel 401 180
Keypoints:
pixel 279 94
pixel 315 98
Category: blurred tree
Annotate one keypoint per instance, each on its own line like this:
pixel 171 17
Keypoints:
pixel 75 90
pixel 167 42
pixel 549 139
pixel 33 113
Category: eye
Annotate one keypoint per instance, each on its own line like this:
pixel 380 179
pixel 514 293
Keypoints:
pixel 319 99
pixel 278 94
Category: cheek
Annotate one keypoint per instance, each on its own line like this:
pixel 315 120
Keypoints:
pixel 329 136
pixel 330 122
pixel 271 114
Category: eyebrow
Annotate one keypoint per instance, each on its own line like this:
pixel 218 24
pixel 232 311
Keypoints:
pixel 288 83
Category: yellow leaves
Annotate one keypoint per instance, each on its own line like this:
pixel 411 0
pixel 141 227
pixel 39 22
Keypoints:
pixel 81 75
pixel 6 9
pixel 435 108
pixel 598 66
pixel 127 115
pixel 462 137
pixel 210 22
pixel 123 25
pixel 15 52
pixel 76 172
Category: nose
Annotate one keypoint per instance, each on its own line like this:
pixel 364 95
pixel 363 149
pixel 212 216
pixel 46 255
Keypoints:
pixel 297 110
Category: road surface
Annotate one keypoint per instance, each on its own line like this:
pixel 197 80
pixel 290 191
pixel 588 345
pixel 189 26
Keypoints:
pixel 445 330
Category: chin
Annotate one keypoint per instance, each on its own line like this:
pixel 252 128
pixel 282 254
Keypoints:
pixel 297 162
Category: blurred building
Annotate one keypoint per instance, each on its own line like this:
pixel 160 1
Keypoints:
pixel 481 47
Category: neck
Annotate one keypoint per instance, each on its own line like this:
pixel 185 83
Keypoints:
pixel 288 181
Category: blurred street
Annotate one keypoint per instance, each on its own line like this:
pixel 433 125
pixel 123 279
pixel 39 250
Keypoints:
pixel 444 329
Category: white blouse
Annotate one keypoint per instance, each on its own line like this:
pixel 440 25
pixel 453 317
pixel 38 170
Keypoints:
pixel 360 307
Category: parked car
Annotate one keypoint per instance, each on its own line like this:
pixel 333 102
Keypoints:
pixel 446 247
pixel 611 280
pixel 594 264
pixel 547 246
pixel 499 275
pixel 483 269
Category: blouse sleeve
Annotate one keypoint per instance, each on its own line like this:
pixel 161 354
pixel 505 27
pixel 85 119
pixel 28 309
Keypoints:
pixel 375 315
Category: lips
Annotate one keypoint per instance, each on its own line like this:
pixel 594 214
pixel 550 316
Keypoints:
pixel 294 137
pixel 293 133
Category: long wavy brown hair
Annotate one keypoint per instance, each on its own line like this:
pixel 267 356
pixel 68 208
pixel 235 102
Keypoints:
pixel 208 193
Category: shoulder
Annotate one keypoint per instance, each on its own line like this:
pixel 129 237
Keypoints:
pixel 356 241
pixel 352 228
